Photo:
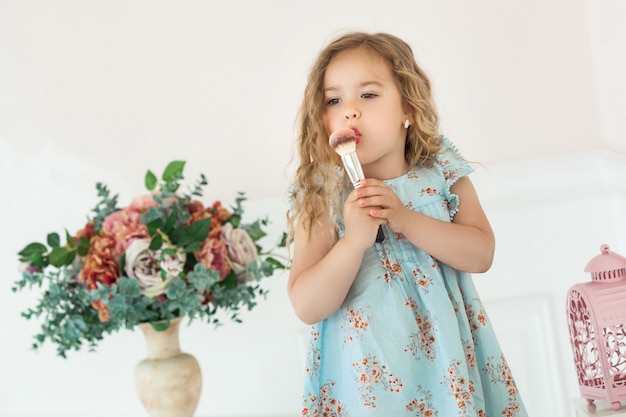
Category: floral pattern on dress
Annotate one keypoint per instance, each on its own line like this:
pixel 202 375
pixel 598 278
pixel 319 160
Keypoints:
pixel 323 405
pixel 393 271
pixel 500 373
pixel 429 192
pixel 423 341
pixel 355 323
pixel 412 175
pixel 460 388
pixel 422 405
pixel 452 175
pixel 314 356
pixel 422 280
pixel 476 316
pixel 371 374
pixel 470 354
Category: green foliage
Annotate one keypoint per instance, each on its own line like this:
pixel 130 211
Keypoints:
pixel 172 175
pixel 104 207
pixel 66 309
pixel 68 319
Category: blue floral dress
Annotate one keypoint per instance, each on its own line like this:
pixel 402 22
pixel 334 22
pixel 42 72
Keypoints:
pixel 412 337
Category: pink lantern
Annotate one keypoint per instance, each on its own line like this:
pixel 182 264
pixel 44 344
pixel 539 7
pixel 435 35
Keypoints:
pixel 596 313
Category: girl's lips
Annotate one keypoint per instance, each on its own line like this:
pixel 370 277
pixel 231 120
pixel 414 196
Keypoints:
pixel 357 134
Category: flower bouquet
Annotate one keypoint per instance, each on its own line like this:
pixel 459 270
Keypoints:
pixel 163 256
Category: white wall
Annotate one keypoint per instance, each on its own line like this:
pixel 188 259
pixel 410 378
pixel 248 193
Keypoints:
pixel 147 81
pixel 103 91
pixel 607 37
pixel 550 216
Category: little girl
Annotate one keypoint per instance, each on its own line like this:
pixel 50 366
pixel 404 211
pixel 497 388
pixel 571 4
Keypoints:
pixel 398 327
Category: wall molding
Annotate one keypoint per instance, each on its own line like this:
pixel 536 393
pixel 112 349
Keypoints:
pixel 598 172
pixel 574 175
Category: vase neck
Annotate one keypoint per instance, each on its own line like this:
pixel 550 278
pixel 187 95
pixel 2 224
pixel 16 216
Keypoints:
pixel 162 344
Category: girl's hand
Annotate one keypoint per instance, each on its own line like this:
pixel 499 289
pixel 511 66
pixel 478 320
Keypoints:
pixel 382 203
pixel 360 226
pixel 465 243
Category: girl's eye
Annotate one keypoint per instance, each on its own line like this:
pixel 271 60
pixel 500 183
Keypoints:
pixel 369 95
pixel 333 101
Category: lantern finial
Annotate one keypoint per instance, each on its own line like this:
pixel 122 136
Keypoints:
pixel 608 266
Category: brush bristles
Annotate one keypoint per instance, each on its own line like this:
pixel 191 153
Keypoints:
pixel 343 141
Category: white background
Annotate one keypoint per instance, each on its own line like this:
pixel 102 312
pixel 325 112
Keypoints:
pixel 93 91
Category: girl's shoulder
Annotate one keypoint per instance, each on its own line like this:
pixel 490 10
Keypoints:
pixel 449 153
pixel 448 158
pixel 451 162
pixel 453 166
pixel 430 184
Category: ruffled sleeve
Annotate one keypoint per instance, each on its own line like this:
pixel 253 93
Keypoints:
pixel 453 167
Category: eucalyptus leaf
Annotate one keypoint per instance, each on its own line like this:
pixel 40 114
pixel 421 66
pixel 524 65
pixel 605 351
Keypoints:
pixel 254 230
pixel 150 181
pixel 198 230
pixel 33 248
pixel 157 242
pixel 171 221
pixel 70 240
pixel 173 171
pixel 154 225
pixel 150 215
pixel 121 265
pixel 83 246
pixel 275 263
pixel 60 256
pixel 53 240
pixel 193 247
pixel 37 259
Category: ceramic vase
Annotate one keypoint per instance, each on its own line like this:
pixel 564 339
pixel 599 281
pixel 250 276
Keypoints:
pixel 168 381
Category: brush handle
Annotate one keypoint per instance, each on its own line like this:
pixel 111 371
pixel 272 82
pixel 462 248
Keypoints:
pixel 354 170
pixel 379 235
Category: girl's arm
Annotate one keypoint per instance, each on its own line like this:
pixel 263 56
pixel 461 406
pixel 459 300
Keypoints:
pixel 466 244
pixel 324 267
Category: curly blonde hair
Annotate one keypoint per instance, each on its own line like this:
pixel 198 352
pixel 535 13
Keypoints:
pixel 318 184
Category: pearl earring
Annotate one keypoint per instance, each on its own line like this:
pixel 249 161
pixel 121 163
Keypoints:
pixel 406 123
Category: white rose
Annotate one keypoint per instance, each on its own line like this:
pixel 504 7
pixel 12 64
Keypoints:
pixel 172 262
pixel 241 249
pixel 152 268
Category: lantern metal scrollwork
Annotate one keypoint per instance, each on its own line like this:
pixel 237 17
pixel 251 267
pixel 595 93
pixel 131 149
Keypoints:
pixel 596 313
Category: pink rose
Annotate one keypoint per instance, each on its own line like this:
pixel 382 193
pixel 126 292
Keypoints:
pixel 242 251
pixel 124 225
pixel 212 255
pixel 142 203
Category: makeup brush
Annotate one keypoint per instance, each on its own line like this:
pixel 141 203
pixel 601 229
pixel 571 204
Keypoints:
pixel 343 141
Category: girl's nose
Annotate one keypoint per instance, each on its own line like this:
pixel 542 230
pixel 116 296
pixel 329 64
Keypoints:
pixel 351 112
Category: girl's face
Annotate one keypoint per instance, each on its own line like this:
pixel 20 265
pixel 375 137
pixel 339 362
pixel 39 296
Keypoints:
pixel 361 93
